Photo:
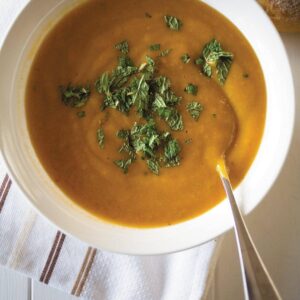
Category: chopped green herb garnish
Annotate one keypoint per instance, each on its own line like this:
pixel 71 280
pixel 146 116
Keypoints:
pixel 153 166
pixel 75 96
pixel 100 137
pixel 194 108
pixel 172 117
pixel 80 114
pixel 162 84
pixel 125 62
pixel 108 83
pixel 199 61
pixel 127 87
pixel 159 149
pixel 148 67
pixel 171 152
pixel 148 93
pixel 213 56
pixel 116 95
pixel 191 89
pixel 124 164
pixel 223 67
pixel 123 134
pixel 165 52
pixel 139 91
pixel 185 58
pixel 173 23
pixel 123 47
pixel 154 47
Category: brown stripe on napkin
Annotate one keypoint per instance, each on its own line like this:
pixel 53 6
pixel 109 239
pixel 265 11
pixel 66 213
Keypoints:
pixel 3 184
pixel 84 271
pixel 4 189
pixel 52 257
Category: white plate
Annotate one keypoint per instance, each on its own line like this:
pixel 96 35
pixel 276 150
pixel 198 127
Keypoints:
pixel 15 60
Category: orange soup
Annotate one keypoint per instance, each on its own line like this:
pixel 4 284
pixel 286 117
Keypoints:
pixel 130 105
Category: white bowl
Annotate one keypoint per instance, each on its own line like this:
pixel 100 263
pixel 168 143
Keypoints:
pixel 15 60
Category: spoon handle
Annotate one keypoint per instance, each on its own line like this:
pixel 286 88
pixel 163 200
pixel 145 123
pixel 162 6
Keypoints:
pixel 257 282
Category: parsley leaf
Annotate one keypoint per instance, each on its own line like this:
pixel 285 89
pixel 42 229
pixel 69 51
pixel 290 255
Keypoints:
pixel 75 96
pixel 103 84
pixel 139 89
pixel 153 166
pixel 107 83
pixel 173 23
pixel 148 68
pixel 213 55
pixel 80 114
pixel 194 108
pixel 165 52
pixel 127 146
pixel 145 139
pixel 171 153
pixel 124 164
pixel 100 137
pixel 212 51
pixel 123 47
pixel 154 47
pixel 162 84
pixel 223 68
pixel 125 61
pixel 171 116
pixel 191 89
pixel 159 149
pixel 188 141
pixel 164 102
pixel 146 92
pixel 111 86
pixel 185 58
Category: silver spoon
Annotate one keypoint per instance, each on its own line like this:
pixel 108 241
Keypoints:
pixel 257 282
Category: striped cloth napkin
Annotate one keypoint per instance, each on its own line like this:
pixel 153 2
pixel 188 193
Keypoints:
pixel 31 245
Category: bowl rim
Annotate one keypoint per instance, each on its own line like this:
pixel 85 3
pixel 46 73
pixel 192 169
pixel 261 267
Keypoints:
pixel 165 248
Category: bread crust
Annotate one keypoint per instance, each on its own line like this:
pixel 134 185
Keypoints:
pixel 284 13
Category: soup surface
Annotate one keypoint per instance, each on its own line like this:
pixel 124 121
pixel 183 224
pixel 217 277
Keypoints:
pixel 81 47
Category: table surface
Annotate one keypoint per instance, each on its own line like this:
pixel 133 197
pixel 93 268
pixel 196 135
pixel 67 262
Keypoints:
pixel 274 224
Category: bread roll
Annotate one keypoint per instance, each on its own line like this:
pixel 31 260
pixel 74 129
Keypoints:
pixel 284 13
